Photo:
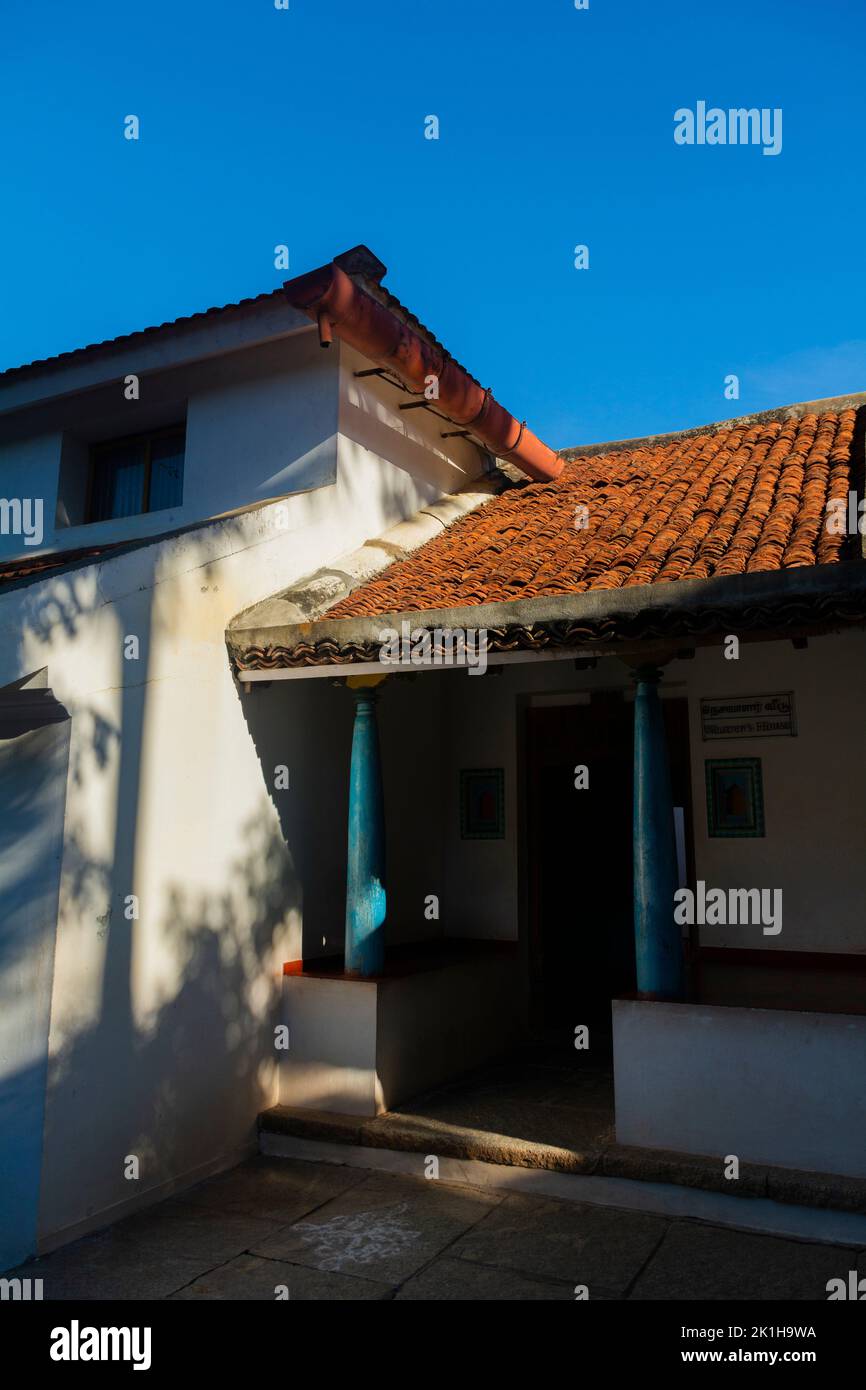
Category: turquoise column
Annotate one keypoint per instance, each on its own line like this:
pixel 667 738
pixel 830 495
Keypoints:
pixel 658 944
pixel 365 883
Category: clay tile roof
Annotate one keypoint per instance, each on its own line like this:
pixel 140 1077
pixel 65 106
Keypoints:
pixel 743 498
pixel 124 339
pixel 32 566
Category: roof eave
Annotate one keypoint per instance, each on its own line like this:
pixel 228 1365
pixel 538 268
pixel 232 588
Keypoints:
pixel 197 337
pixel 808 596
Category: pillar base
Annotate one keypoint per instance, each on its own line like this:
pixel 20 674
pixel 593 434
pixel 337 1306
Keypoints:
pixel 361 1046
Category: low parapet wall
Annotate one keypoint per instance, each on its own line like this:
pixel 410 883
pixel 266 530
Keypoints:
pixel 360 1047
pixel 765 1085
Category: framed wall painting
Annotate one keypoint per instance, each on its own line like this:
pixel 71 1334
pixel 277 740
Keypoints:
pixel 482 803
pixel 735 798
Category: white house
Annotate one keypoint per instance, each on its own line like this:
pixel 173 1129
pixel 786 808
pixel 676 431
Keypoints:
pixel 238 510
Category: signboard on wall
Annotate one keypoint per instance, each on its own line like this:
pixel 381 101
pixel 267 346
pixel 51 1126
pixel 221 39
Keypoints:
pixel 749 716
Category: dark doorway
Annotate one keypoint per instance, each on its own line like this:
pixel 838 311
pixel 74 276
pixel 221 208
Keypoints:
pixel 580 856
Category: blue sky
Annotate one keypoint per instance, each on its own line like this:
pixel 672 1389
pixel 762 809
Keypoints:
pixel 306 127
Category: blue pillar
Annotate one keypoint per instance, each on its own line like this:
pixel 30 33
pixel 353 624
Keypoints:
pixel 658 943
pixel 365 883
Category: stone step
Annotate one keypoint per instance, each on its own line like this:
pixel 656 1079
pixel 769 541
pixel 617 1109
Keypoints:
pixel 425 1135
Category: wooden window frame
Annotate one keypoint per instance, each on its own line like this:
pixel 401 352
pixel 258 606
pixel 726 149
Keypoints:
pixel 103 447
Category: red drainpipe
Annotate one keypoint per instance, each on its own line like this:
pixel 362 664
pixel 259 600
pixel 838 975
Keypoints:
pixel 340 306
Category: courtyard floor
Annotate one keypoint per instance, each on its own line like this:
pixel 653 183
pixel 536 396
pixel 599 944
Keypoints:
pixel 283 1227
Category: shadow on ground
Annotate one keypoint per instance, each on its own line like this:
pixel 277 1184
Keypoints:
pixel 282 1228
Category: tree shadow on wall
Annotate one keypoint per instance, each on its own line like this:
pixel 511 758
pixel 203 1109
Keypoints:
pixel 197 1065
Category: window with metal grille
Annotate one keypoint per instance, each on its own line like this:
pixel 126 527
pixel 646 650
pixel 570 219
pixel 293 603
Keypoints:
pixel 142 473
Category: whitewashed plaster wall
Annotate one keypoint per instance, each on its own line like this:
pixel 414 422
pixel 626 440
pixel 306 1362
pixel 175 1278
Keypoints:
pixel 33 768
pixel 373 426
pixel 161 1042
pixel 260 423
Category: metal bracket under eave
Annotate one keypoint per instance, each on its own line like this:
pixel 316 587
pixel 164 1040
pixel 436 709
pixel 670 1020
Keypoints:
pixel 388 377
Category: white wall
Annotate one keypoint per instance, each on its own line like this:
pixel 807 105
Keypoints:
pixel 261 431
pixel 32 790
pixel 373 426
pixel 162 1026
pixel 359 1047
pixel 331 1061
pixel 767 1085
pixel 260 423
pixel 814 794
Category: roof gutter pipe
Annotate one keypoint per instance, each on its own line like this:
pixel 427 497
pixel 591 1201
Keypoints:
pixel 339 305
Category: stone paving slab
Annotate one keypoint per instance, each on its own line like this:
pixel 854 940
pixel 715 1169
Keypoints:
pixel 248 1278
pixel 103 1267
pixel 386 1228
pixel 199 1233
pixel 372 1236
pixel 273 1189
pixel 708 1262
pixel 599 1247
pixel 459 1280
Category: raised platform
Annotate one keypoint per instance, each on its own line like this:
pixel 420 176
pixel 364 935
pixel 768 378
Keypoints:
pixel 360 1046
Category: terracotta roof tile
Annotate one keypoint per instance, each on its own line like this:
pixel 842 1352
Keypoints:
pixel 746 498
pixel 28 566
pixel 123 339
